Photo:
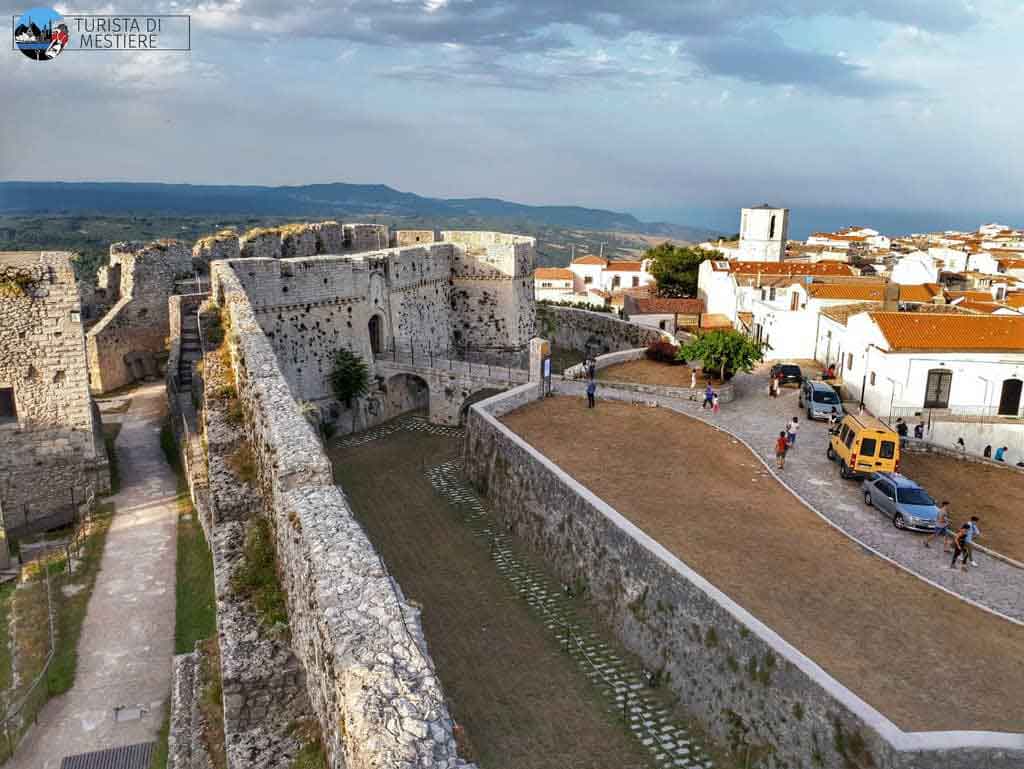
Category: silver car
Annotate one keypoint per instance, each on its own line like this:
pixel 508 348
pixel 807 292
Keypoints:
pixel 819 399
pixel 901 500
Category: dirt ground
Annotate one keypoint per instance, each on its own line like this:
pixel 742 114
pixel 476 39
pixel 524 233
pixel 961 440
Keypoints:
pixel 927 660
pixel 991 493
pixel 645 371
pixel 523 702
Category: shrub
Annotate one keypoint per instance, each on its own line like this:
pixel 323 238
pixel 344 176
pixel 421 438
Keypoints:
pixel 663 351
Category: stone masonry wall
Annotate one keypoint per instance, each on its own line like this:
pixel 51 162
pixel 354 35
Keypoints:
pixel 370 679
pixel 593 332
pixel 412 237
pixel 492 288
pixel 128 342
pixel 52 455
pixel 740 679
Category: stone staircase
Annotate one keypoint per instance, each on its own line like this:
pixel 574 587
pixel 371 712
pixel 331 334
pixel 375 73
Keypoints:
pixel 190 347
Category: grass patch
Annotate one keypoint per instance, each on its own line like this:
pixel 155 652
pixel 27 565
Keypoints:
pixel 110 433
pixel 159 759
pixel 6 670
pixel 169 446
pixel 311 755
pixel 71 609
pixel 242 463
pixel 195 616
pixel 256 578
pixel 211 704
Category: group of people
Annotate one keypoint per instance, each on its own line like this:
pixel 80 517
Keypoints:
pixel 903 430
pixel 1000 455
pixel 786 441
pixel 710 397
pixel 959 542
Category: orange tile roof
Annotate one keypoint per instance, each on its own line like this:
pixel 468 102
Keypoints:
pixel 974 306
pixel 552 273
pixel 951 332
pixel 665 306
pixel 715 320
pixel 974 296
pixel 862 291
pixel 786 268
pixel 1012 264
pixel 1015 300
pixel 624 266
pixel 926 292
pixel 590 259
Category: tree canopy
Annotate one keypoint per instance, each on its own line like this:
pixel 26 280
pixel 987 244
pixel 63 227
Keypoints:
pixel 728 351
pixel 349 378
pixel 675 268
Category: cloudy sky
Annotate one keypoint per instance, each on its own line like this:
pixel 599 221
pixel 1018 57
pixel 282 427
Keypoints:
pixel 629 104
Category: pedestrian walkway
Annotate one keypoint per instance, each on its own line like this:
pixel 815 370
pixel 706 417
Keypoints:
pixel 127 641
pixel 757 419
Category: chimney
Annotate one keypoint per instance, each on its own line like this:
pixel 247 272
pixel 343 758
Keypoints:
pixel 891 302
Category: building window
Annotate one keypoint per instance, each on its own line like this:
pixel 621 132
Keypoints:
pixel 636 282
pixel 545 285
pixel 872 378
pixel 588 280
pixel 661 324
pixel 616 281
pixel 771 294
pixel 794 301
pixel 936 392
pixel 771 228
pixel 849 360
pixel 8 412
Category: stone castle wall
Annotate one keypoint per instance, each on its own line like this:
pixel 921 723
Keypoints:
pixel 412 237
pixel 370 680
pixel 492 288
pixel 739 678
pixel 52 456
pixel 297 240
pixel 595 333
pixel 127 344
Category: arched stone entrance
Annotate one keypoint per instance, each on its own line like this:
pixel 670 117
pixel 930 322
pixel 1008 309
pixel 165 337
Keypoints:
pixel 476 397
pixel 1009 399
pixel 406 392
pixel 376 329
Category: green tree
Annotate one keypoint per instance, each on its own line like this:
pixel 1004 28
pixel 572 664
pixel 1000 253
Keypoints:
pixel 349 378
pixel 728 351
pixel 675 268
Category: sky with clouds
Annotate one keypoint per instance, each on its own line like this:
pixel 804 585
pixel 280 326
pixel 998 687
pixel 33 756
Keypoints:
pixel 626 104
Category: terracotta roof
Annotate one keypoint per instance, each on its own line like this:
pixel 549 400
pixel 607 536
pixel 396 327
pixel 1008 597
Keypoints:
pixel 624 266
pixel 925 292
pixel 1015 300
pixel 784 268
pixel 552 273
pixel 974 306
pixel 1012 264
pixel 951 332
pixel 862 291
pixel 974 296
pixel 590 259
pixel 664 306
pixel 840 313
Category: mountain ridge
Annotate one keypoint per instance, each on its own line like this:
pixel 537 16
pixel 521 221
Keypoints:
pixel 81 198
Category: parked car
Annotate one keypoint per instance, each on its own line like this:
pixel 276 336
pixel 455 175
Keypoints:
pixel 901 500
pixel 863 446
pixel 819 399
pixel 791 373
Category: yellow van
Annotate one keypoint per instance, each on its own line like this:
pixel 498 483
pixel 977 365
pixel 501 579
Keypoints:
pixel 863 445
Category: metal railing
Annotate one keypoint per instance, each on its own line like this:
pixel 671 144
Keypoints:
pixel 967 413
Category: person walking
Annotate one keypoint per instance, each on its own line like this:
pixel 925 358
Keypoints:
pixel 781 447
pixel 919 431
pixel 791 430
pixel 833 421
pixel 591 394
pixel 960 547
pixel 715 408
pixel 709 396
pixel 693 379
pixel 773 388
pixel 972 532
pixel 941 528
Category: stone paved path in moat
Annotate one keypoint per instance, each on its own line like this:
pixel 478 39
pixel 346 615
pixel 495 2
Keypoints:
pixel 757 419
pixel 624 686
pixel 127 641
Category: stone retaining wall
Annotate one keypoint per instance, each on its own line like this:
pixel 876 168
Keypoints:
pixel 370 680
pixel 593 332
pixel 726 392
pixel 750 688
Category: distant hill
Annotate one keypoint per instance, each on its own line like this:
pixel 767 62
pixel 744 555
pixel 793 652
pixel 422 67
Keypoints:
pixel 133 198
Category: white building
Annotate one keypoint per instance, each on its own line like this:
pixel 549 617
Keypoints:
pixel 595 272
pixel 961 374
pixel 665 314
pixel 553 284
pixel 915 268
pixel 763 233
